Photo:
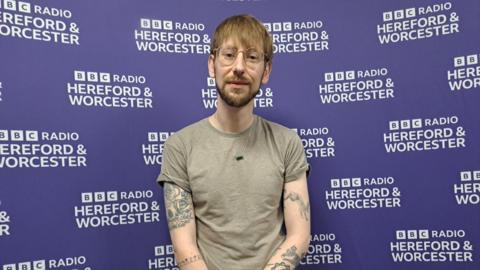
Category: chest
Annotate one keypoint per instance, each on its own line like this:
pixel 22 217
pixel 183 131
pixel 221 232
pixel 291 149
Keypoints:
pixel 230 175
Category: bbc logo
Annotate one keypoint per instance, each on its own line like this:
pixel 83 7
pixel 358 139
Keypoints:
pixel 35 265
pixel 412 234
pixel 90 76
pixel 470 175
pixel 465 60
pixel 158 136
pixel 405 124
pixel 399 14
pixel 211 81
pixel 17 6
pixel 109 196
pixel 156 24
pixel 19 135
pixel 278 26
pixel 345 182
pixel 164 250
pixel 339 76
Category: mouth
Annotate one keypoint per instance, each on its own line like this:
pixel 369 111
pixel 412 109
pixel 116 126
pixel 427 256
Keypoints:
pixel 238 83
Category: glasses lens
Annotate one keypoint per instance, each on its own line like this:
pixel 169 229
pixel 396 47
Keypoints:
pixel 253 57
pixel 228 55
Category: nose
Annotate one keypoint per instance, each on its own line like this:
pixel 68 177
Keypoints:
pixel 239 64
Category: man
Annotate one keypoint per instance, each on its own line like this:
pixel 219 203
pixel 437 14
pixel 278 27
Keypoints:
pixel 234 182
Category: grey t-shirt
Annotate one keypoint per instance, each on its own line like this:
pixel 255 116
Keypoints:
pixel 236 182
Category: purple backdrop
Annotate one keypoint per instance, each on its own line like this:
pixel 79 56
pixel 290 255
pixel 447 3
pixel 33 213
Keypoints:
pixel 384 95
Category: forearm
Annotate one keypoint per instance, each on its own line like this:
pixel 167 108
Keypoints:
pixel 181 222
pixel 290 252
pixel 188 257
pixel 296 207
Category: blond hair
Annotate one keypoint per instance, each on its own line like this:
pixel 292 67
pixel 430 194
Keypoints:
pixel 247 29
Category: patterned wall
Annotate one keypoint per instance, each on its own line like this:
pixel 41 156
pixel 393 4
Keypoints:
pixel 384 95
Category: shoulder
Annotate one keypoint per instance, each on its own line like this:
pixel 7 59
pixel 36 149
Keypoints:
pixel 184 136
pixel 277 130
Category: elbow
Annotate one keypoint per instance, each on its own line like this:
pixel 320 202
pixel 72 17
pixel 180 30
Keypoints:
pixel 305 234
pixel 305 238
pixel 301 237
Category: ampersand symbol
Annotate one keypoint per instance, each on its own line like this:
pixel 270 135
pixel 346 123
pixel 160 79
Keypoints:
pixel 268 92
pixel 74 28
pixel 460 132
pixel 324 35
pixel 396 192
pixel 147 92
pixel 206 39
pixel 330 142
pixel 467 245
pixel 389 82
pixel 337 248
pixel 4 217
pixel 453 17
pixel 155 206
pixel 81 150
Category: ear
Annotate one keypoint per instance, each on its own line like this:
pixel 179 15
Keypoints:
pixel 211 65
pixel 266 72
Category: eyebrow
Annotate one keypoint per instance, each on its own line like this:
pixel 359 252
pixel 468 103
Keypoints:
pixel 235 48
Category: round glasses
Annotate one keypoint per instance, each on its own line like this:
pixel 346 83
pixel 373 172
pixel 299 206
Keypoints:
pixel 227 56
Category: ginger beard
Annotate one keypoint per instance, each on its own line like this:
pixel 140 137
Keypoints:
pixel 236 96
pixel 237 91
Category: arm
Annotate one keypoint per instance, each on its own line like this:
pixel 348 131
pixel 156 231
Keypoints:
pixel 181 222
pixel 297 222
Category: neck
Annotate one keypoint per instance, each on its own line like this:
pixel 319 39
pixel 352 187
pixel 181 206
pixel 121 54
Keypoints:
pixel 231 119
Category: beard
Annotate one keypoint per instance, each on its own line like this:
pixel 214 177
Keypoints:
pixel 233 99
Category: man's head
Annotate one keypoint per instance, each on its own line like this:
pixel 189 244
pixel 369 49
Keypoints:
pixel 240 59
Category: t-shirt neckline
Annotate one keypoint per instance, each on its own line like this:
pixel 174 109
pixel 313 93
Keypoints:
pixel 232 135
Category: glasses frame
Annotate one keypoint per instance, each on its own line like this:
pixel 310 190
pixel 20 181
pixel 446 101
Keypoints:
pixel 216 51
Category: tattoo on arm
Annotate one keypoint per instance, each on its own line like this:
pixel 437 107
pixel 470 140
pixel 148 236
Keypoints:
pixel 178 204
pixel 281 266
pixel 190 260
pixel 291 256
pixel 290 260
pixel 304 207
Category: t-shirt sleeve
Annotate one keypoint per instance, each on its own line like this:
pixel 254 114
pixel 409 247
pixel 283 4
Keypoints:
pixel 295 160
pixel 174 164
